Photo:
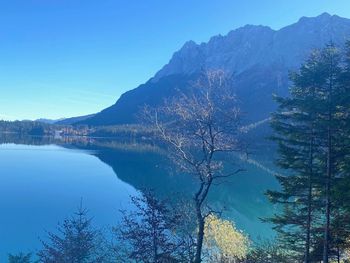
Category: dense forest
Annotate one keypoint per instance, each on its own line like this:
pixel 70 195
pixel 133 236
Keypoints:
pixel 37 128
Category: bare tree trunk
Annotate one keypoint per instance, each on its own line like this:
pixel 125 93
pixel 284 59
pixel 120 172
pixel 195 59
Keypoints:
pixel 338 254
pixel 329 164
pixel 308 227
pixel 309 204
pixel 199 198
pixel 155 251
pixel 200 236
pixel 328 201
pixel 328 175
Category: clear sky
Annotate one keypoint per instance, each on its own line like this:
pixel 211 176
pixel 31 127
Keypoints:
pixel 63 58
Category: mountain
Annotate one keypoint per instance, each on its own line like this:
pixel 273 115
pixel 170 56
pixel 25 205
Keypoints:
pixel 48 121
pixel 65 121
pixel 70 121
pixel 258 56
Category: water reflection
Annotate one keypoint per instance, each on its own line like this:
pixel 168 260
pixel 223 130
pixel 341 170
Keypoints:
pixel 144 165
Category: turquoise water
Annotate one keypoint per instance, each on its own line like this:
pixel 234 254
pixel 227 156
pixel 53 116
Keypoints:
pixel 41 185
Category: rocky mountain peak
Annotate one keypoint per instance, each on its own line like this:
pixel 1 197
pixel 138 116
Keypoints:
pixel 253 45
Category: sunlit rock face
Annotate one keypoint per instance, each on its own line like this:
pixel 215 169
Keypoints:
pixel 251 45
pixel 258 56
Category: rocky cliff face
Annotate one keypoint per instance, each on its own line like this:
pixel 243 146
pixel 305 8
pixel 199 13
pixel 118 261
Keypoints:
pixel 258 56
pixel 250 46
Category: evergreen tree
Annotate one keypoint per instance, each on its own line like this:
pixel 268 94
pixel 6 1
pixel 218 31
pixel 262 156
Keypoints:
pixel 147 234
pixel 77 242
pixel 311 129
pixel 294 124
pixel 20 258
pixel 340 227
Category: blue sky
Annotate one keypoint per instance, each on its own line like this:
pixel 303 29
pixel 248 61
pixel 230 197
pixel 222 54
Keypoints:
pixel 62 58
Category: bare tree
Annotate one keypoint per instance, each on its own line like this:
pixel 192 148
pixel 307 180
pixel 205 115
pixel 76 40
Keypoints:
pixel 199 126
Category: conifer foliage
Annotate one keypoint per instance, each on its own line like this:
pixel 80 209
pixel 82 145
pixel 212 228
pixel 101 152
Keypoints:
pixel 76 242
pixel 148 234
pixel 312 132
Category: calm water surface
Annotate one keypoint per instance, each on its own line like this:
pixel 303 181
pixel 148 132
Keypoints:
pixel 41 185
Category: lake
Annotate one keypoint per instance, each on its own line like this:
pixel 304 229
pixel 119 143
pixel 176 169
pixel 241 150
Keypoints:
pixel 42 181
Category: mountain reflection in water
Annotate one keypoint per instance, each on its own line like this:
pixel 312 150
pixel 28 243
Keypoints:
pixel 145 166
